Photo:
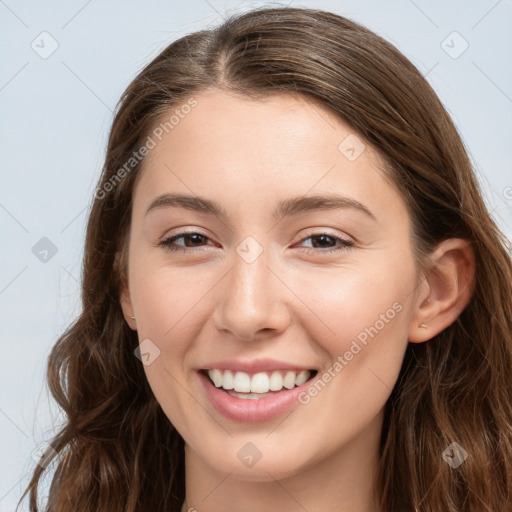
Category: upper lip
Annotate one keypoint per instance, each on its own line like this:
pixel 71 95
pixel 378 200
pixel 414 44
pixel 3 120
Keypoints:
pixel 254 366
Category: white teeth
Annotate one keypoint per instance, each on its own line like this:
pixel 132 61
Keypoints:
pixel 228 380
pixel 242 382
pixel 276 381
pixel 289 380
pixel 250 396
pixel 260 383
pixel 216 376
pixel 302 377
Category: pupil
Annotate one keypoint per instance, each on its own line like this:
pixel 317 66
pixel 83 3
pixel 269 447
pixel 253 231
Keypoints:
pixel 196 238
pixel 324 237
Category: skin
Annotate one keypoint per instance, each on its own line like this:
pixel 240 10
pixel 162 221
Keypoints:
pixel 295 302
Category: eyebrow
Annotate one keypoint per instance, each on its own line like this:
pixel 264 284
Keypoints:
pixel 287 208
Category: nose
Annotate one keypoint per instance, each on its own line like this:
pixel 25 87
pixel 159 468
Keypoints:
pixel 254 301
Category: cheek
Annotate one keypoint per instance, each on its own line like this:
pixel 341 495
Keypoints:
pixel 361 323
pixel 167 301
pixel 368 314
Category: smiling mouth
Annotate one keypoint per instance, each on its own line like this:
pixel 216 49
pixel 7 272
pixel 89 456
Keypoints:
pixel 257 385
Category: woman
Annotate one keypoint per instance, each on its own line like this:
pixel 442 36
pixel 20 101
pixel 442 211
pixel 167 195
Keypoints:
pixel 294 297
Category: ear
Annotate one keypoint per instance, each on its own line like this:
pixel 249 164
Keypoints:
pixel 446 289
pixel 124 297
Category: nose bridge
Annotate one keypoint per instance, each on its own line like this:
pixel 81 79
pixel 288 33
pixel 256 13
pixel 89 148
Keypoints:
pixel 253 299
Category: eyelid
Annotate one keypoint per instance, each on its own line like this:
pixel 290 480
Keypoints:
pixel 165 242
pixel 182 231
pixel 317 231
pixel 346 244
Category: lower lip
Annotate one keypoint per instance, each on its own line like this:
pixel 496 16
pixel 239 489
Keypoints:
pixel 244 410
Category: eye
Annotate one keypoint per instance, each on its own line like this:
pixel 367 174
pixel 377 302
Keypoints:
pixel 324 239
pixel 196 240
pixel 193 236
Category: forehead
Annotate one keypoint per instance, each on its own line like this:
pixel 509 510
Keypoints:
pixel 248 151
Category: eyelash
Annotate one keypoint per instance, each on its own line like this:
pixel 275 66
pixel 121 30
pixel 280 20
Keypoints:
pixel 344 244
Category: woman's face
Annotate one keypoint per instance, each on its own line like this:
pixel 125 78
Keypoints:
pixel 297 257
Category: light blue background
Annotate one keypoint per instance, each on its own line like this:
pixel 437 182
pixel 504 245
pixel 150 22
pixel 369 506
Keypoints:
pixel 56 113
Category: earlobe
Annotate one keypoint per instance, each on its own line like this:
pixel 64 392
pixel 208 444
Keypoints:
pixel 124 298
pixel 447 289
pixel 126 306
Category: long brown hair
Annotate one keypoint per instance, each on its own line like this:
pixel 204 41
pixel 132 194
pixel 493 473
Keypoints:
pixel 117 449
